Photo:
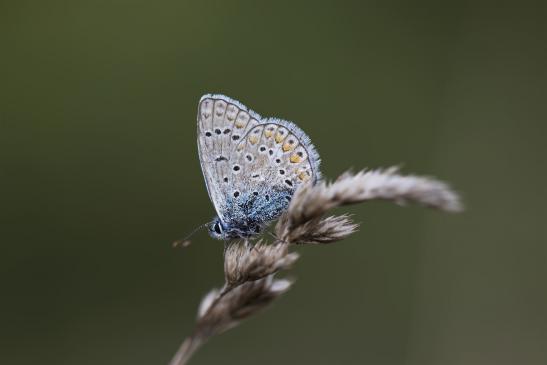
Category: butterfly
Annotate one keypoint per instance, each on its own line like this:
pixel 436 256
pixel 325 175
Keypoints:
pixel 252 165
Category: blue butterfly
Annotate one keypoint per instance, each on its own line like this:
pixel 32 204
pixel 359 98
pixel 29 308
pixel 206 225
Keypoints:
pixel 252 165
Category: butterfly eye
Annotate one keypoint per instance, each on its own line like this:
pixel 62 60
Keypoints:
pixel 217 228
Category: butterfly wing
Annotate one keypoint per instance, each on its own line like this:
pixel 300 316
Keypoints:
pixel 217 118
pixel 252 165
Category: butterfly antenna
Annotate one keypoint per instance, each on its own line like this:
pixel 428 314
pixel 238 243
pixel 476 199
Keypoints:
pixel 185 242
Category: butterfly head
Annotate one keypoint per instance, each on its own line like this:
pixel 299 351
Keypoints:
pixel 216 229
pixel 224 231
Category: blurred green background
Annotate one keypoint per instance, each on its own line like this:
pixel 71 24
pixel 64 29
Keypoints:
pixel 100 173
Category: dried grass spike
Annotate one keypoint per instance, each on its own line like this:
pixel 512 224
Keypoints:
pixel 244 263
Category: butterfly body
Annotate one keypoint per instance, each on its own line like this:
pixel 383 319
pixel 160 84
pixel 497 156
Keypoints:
pixel 252 165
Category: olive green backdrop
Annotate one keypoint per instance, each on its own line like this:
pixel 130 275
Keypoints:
pixel 99 174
